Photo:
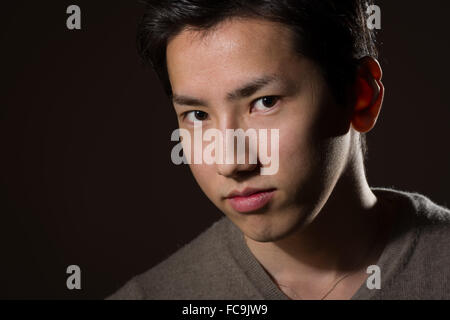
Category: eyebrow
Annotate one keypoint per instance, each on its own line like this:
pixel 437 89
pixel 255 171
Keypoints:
pixel 245 91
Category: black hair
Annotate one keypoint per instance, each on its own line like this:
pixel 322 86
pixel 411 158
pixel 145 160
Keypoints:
pixel 332 33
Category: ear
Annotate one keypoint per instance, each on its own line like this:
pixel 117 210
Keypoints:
pixel 369 94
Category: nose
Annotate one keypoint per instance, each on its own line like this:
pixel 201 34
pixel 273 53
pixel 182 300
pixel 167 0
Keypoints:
pixel 236 170
pixel 235 134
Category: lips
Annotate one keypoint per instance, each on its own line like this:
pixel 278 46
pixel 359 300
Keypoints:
pixel 250 199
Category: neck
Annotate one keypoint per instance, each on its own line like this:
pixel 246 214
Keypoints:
pixel 335 242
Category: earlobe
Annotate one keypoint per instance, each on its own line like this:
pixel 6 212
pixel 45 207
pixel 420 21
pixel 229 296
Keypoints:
pixel 369 93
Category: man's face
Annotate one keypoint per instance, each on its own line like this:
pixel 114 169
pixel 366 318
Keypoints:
pixel 314 135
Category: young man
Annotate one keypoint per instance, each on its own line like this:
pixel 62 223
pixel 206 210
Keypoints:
pixel 313 229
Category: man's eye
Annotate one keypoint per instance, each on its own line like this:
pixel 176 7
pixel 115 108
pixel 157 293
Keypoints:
pixel 265 103
pixel 197 115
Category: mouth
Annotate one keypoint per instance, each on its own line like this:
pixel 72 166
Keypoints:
pixel 250 200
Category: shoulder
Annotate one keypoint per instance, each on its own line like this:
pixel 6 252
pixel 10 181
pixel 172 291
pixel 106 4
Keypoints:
pixel 188 273
pixel 433 224
pixel 430 221
pixel 419 207
pixel 420 248
pixel 430 212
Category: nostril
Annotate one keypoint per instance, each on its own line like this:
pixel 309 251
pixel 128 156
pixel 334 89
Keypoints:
pixel 238 171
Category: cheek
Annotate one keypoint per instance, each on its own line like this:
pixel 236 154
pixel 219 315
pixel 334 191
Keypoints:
pixel 309 162
pixel 296 172
pixel 297 147
pixel 205 176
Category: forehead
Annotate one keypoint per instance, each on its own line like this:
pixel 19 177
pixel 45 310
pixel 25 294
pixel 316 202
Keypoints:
pixel 229 53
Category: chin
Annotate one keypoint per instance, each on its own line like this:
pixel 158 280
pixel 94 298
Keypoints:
pixel 263 228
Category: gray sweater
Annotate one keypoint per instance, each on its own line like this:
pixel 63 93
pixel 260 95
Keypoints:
pixel 415 263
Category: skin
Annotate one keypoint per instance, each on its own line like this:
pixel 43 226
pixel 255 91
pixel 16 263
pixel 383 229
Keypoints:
pixel 323 219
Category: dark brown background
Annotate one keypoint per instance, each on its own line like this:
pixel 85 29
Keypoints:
pixel 86 176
